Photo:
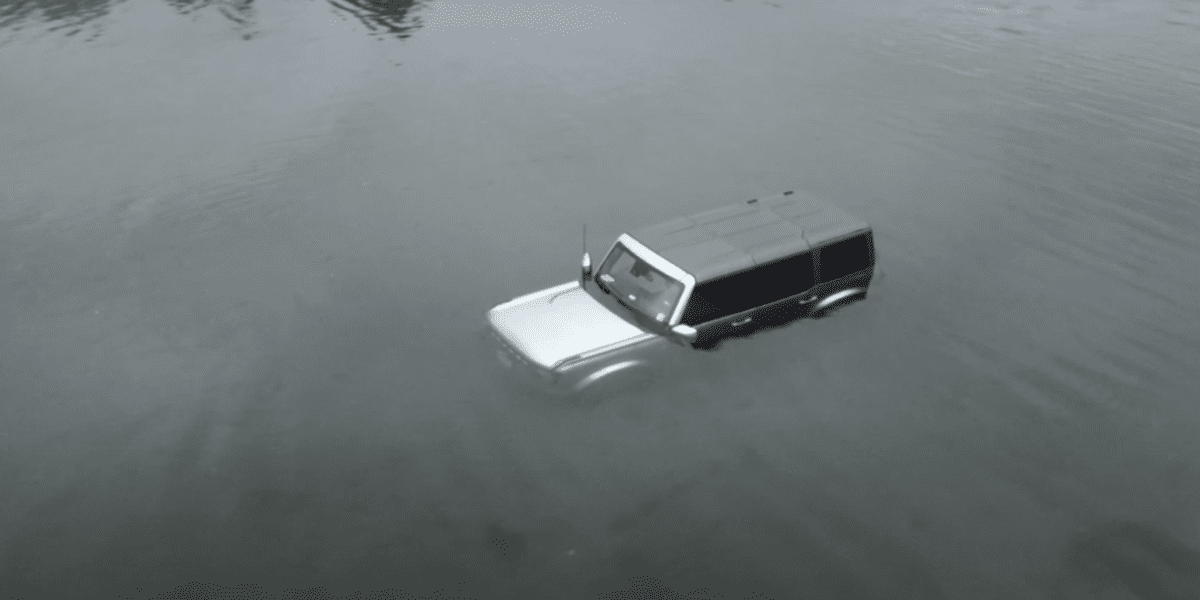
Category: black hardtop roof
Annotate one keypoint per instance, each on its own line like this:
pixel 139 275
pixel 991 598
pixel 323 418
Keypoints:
pixel 732 238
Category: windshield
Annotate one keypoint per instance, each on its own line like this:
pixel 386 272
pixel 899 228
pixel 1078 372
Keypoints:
pixel 638 285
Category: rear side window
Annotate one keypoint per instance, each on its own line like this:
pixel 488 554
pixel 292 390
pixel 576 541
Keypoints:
pixel 749 289
pixel 851 255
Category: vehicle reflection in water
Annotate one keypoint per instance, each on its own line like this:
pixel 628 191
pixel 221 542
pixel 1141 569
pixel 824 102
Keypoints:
pixel 238 11
pixel 381 17
pixel 71 15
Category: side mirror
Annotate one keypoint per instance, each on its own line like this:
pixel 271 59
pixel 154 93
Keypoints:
pixel 686 333
pixel 586 267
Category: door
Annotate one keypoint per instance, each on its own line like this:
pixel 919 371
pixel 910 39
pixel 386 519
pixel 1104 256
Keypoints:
pixel 739 302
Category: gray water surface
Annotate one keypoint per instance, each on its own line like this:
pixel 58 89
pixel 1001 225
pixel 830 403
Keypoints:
pixel 245 250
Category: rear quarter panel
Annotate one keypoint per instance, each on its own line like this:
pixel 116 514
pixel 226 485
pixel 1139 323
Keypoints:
pixel 857 279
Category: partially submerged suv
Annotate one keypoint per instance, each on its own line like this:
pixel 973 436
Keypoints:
pixel 687 282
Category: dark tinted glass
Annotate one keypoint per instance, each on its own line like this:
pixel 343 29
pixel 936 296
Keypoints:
pixel 847 256
pixel 749 289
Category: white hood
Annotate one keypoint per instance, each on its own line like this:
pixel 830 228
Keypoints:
pixel 558 323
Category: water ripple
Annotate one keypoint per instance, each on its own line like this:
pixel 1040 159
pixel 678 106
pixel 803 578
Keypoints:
pixel 544 18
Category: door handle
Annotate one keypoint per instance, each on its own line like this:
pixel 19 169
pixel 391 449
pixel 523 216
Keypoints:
pixel 740 322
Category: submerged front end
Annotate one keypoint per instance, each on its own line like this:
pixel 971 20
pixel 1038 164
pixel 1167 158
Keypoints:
pixel 559 337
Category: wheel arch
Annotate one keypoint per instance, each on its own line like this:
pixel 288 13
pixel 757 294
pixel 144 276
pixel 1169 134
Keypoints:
pixel 607 372
pixel 836 297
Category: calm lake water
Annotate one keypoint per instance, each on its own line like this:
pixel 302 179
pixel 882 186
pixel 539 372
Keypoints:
pixel 246 248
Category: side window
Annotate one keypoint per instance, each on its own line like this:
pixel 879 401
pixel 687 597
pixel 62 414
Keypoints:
pixel 840 259
pixel 749 289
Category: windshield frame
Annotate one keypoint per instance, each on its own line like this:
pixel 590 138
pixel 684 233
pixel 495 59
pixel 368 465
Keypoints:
pixel 664 266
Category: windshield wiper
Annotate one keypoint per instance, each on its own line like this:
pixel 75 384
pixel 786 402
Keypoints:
pixel 637 315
